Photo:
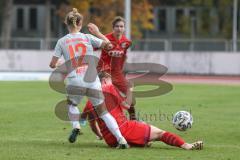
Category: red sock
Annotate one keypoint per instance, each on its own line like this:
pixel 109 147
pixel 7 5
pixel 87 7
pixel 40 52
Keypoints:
pixel 172 139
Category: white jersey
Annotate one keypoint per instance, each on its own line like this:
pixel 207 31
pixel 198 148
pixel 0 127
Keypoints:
pixel 75 45
pixel 71 47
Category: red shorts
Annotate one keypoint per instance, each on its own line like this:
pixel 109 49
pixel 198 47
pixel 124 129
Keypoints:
pixel 136 134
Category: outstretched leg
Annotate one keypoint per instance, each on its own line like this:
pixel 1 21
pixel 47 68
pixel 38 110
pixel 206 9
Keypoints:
pixel 173 139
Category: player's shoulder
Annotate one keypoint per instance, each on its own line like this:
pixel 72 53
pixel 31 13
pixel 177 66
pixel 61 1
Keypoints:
pixel 87 35
pixel 110 36
pixel 62 39
pixel 124 38
pixel 125 42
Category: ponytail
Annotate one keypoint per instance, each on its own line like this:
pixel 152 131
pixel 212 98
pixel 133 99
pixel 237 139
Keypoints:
pixel 73 18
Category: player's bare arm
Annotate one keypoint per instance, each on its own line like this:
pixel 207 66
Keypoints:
pixel 95 128
pixel 54 61
pixel 93 29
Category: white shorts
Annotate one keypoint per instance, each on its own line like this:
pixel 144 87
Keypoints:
pixel 77 88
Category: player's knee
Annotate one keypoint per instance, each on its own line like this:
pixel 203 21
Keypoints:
pixel 101 109
pixel 156 133
pixel 160 134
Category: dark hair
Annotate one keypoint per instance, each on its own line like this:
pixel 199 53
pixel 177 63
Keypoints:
pixel 118 19
pixel 73 18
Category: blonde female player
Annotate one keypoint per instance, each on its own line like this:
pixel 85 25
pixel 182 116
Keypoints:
pixel 73 46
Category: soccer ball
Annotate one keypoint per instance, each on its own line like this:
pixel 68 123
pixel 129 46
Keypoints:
pixel 182 120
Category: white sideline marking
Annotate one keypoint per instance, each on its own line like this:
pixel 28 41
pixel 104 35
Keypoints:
pixel 24 76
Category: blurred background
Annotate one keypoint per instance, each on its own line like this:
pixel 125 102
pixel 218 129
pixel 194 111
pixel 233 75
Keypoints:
pixel 187 36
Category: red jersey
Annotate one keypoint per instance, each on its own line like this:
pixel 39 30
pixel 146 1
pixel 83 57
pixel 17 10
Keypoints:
pixel 113 60
pixel 134 132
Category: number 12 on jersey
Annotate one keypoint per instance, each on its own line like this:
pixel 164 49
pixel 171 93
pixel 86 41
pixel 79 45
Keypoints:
pixel 73 49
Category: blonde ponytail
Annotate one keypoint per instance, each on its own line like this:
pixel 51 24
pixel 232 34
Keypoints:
pixel 73 18
pixel 74 10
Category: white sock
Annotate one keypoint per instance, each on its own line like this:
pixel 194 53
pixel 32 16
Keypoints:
pixel 111 125
pixel 73 114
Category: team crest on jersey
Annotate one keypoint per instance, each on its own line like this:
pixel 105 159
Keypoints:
pixel 125 45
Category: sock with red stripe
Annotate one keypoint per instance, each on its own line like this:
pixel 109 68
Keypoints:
pixel 172 139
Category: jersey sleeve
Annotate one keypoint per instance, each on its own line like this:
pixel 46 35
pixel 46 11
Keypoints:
pixel 58 49
pixel 96 42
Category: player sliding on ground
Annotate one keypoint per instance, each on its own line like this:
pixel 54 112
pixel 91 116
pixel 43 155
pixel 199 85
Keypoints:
pixel 136 133
pixel 72 47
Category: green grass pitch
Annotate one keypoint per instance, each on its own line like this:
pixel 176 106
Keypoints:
pixel 30 130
